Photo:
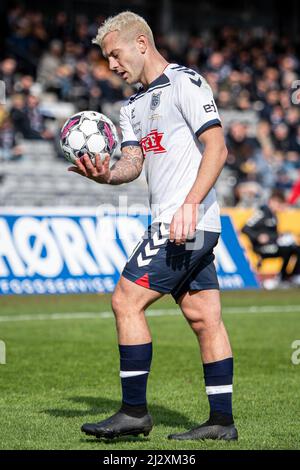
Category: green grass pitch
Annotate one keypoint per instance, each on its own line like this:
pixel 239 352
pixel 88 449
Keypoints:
pixel 61 372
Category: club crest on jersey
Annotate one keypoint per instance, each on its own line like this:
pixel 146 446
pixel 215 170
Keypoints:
pixel 152 142
pixel 155 100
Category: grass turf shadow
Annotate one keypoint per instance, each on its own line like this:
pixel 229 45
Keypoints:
pixel 105 407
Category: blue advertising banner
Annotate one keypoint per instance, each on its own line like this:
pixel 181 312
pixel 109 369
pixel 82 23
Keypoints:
pixel 60 251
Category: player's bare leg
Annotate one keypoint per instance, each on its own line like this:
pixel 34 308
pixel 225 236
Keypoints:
pixel 129 302
pixel 202 309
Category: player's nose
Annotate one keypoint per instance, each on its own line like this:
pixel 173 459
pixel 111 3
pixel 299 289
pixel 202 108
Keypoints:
pixel 112 63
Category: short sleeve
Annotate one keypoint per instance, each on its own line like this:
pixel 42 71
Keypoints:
pixel 128 135
pixel 196 102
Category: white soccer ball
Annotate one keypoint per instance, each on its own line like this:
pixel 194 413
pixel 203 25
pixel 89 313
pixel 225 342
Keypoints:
pixel 88 132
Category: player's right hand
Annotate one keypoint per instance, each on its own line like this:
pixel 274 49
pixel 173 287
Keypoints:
pixel 99 171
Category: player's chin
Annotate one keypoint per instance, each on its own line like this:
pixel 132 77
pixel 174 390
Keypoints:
pixel 129 79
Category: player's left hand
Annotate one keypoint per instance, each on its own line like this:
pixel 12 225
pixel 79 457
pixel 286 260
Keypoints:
pixel 183 224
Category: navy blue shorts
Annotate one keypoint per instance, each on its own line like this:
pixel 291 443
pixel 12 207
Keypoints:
pixel 158 264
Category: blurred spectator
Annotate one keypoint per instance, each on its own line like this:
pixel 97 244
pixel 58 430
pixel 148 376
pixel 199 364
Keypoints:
pixel 281 137
pixel 28 119
pixel 50 61
pixel 8 74
pixel 24 85
pixel 245 157
pixel 37 117
pixel 9 150
pixel 267 243
pixel 60 27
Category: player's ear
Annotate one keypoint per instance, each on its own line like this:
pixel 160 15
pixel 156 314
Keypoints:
pixel 142 43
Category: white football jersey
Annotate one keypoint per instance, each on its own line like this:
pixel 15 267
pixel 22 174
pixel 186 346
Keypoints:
pixel 166 121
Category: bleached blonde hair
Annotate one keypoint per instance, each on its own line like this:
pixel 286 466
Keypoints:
pixel 128 22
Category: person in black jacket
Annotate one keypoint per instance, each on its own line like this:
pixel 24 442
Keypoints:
pixel 263 233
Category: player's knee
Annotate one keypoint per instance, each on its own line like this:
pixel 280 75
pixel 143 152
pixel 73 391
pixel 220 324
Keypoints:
pixel 206 326
pixel 117 303
pixel 122 306
pixel 204 319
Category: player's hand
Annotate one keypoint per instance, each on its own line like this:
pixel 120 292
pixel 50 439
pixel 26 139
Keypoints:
pixel 99 171
pixel 263 238
pixel 183 224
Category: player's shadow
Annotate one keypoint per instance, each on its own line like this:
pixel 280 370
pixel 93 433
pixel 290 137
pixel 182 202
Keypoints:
pixel 102 408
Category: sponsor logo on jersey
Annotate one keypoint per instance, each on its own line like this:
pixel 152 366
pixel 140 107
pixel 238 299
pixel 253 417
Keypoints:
pixel 152 142
pixel 210 107
pixel 154 117
pixel 155 100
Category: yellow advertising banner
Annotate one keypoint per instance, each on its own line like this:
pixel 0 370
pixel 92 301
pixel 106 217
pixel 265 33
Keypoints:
pixel 288 221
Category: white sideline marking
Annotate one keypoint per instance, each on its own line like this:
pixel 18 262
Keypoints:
pixel 150 313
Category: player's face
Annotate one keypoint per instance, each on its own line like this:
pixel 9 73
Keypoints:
pixel 124 57
pixel 276 205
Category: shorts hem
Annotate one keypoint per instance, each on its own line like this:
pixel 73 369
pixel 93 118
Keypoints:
pixel 133 278
pixel 203 287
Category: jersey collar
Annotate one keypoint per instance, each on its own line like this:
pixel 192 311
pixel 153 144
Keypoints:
pixel 161 80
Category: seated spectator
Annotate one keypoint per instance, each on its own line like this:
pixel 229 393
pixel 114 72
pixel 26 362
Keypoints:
pixel 7 74
pixel 62 84
pixel 263 134
pixel 248 194
pixel 9 150
pixel 24 85
pixel 28 119
pixel 281 137
pixel 245 157
pixel 50 61
pixel 295 141
pixel 263 233
pixel 37 118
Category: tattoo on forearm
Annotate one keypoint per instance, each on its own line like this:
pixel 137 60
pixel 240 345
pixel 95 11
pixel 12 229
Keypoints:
pixel 129 167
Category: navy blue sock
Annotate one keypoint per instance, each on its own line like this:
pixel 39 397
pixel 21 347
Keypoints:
pixel 218 382
pixel 135 362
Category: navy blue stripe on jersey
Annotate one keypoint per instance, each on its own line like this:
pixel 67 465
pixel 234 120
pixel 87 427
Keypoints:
pixel 152 89
pixel 130 142
pixel 137 97
pixel 158 87
pixel 133 97
pixel 208 124
pixel 185 70
pixel 182 68
pixel 161 80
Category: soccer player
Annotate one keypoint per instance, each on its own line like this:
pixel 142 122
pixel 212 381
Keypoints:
pixel 262 230
pixel 171 126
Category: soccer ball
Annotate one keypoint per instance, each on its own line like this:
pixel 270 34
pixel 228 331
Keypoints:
pixel 88 132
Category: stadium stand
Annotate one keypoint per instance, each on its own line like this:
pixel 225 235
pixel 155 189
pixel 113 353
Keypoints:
pixel 51 70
